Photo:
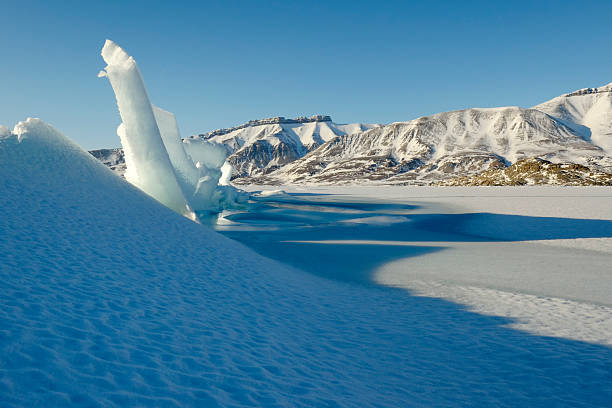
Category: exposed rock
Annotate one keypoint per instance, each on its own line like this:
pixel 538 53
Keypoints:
pixel 113 158
pixel 535 171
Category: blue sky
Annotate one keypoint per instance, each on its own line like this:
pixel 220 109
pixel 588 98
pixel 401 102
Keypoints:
pixel 218 64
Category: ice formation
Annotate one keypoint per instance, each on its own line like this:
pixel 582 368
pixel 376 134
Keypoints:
pixel 183 176
pixel 226 174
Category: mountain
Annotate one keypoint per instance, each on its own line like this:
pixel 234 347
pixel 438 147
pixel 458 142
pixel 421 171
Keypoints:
pixel 112 158
pixel 462 143
pixel 443 146
pixel 575 128
pixel 587 111
pixel 262 146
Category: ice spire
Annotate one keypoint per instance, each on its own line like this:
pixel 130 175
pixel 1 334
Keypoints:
pixel 146 157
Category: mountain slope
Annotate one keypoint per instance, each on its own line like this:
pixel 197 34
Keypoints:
pixel 587 111
pixel 262 146
pixel 441 146
pixel 535 171
pixel 112 158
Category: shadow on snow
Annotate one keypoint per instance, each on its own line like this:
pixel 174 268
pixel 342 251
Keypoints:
pixel 292 229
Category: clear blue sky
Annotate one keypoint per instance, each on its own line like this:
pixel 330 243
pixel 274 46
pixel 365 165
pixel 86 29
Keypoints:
pixel 218 64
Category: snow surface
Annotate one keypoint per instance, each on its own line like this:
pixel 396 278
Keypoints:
pixel 587 111
pixel 539 255
pixel 111 299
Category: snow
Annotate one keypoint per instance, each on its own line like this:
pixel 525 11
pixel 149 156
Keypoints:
pixel 111 299
pixel 538 255
pixel 587 111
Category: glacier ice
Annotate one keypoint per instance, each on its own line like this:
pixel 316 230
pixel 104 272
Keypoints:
pixel 183 175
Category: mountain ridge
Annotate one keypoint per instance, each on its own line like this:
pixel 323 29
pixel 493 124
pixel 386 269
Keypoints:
pixel 575 127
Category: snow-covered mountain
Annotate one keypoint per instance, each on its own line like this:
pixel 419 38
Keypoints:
pixel 587 111
pixel 112 158
pixel 262 146
pixel 462 143
pixel 572 128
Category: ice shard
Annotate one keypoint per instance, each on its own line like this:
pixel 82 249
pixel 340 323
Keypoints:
pixel 197 163
pixel 226 174
pixel 186 172
pixel 146 157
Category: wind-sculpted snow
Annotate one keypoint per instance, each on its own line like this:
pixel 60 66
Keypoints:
pixel 110 299
pixel 156 158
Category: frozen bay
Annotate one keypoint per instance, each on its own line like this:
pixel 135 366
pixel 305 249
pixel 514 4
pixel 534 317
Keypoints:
pixel 539 255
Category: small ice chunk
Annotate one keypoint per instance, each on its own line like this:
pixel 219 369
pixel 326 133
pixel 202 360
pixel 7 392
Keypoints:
pixel 186 172
pixel 226 174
